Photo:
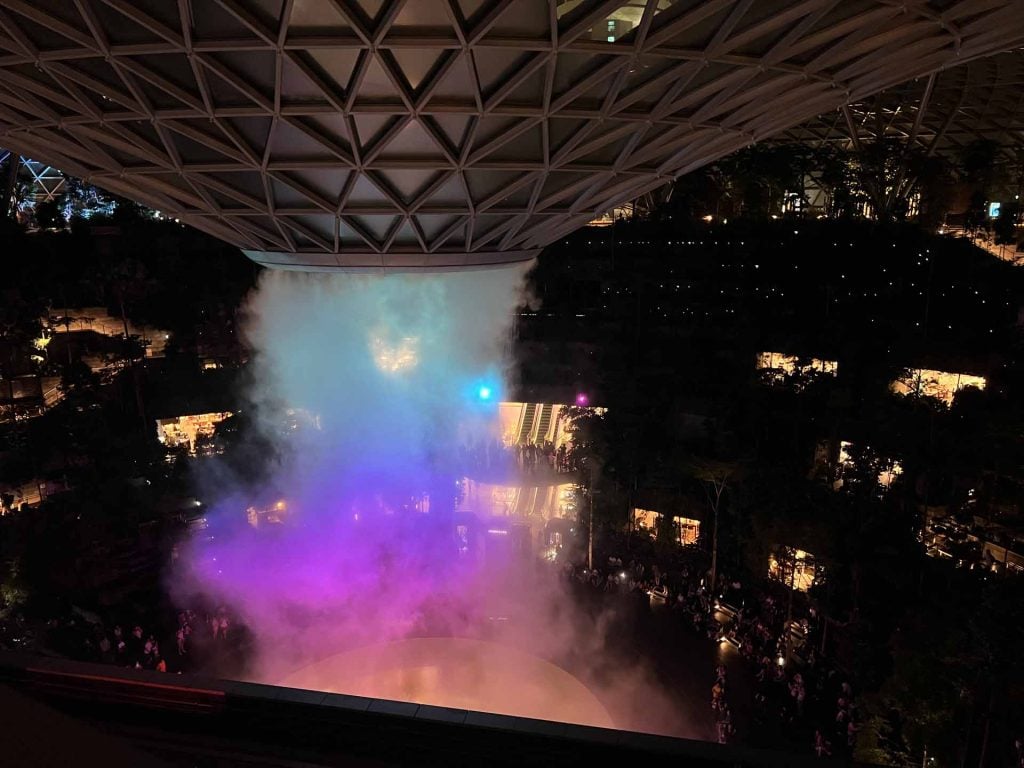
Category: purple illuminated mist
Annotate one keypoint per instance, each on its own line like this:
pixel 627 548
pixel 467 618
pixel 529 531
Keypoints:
pixel 390 371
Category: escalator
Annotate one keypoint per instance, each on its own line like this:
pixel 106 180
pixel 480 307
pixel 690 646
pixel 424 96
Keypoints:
pixel 526 503
pixel 526 428
pixel 544 423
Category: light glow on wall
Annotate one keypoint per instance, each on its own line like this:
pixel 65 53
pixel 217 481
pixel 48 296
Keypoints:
pixel 687 528
pixel 793 567
pixel 187 430
pixel 943 385
pixel 780 364
pixel 539 422
pixel 891 468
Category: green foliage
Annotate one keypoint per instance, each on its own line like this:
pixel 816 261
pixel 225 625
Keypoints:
pixel 955 655
pixel 877 742
pixel 755 179
pixel 13 592
pixel 667 530
pixel 934 668
pixel 1005 227
pixel 603 467
pixel 76 376
pixel 877 178
pixel 888 172
pixel 919 648
pixel 127 211
pixel 977 162
pixel 48 215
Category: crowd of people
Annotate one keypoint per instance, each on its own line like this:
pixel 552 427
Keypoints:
pixel 85 636
pixel 494 456
pixel 136 643
pixel 131 650
pixel 798 694
pixel 720 706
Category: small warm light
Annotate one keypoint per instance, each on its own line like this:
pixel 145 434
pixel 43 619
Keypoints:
pixel 709 217
pixel 781 661
pixel 280 505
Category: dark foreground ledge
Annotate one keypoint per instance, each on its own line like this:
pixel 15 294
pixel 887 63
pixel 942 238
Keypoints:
pixel 185 719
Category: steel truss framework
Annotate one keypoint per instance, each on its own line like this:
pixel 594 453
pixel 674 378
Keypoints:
pixel 329 134
pixel 46 183
pixel 943 113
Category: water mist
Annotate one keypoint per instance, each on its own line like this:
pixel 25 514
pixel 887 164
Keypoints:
pixel 391 373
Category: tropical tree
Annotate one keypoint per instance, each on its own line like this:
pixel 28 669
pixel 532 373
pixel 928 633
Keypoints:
pixel 715 477
pixel 759 176
pixel 48 215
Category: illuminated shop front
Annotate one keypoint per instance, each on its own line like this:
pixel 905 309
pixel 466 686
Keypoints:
pixel 187 431
pixel 888 469
pixel 943 385
pixel 778 365
pixel 793 567
pixel 686 529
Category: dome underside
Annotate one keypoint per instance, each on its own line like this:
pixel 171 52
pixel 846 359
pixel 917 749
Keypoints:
pixel 390 128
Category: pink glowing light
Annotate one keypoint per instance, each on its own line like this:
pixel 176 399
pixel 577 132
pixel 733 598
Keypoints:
pixel 364 587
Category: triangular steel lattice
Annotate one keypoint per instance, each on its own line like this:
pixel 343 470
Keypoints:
pixel 440 132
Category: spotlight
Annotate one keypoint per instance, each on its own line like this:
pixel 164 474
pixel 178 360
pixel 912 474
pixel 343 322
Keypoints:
pixel 484 393
pixel 582 400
